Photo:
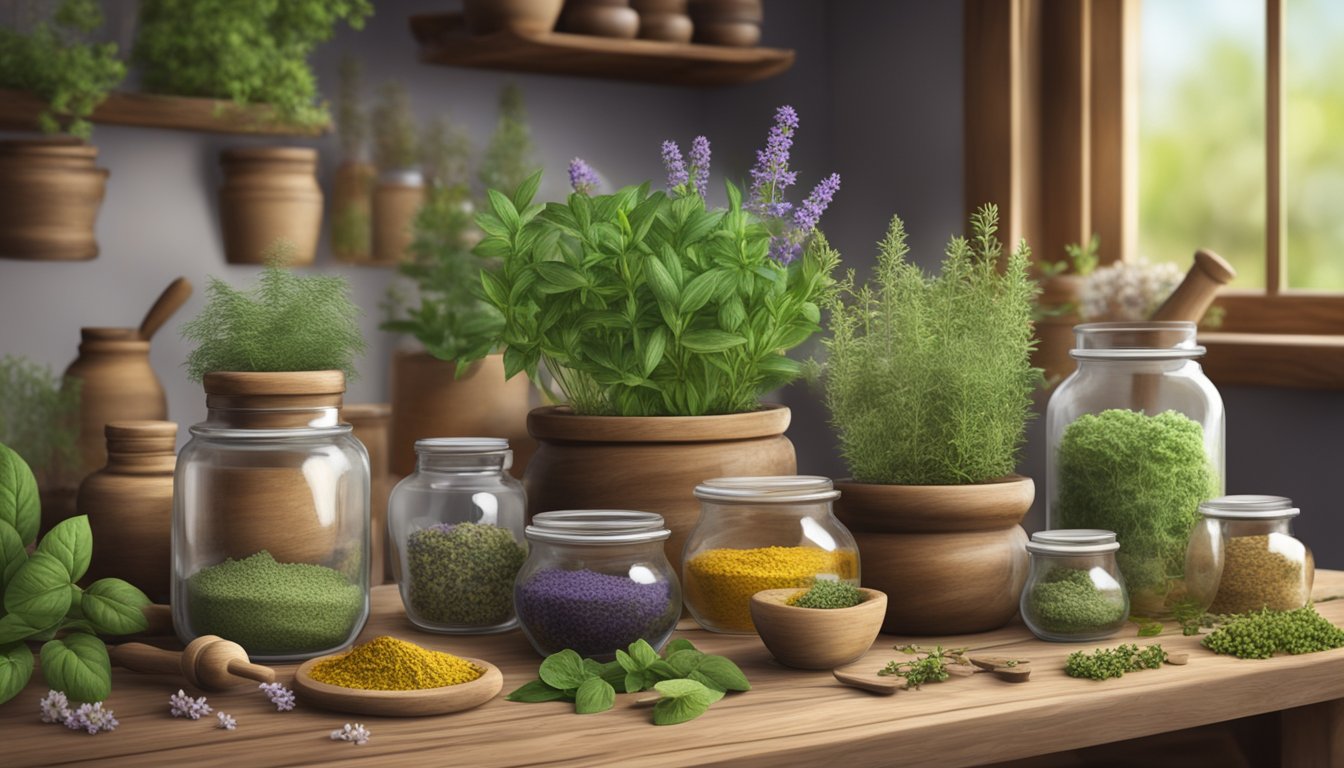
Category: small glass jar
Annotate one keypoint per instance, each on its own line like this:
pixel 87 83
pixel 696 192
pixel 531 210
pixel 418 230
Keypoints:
pixel 271 518
pixel 596 581
pixel 1243 557
pixel 1134 443
pixel 758 533
pixel 456 526
pixel 1075 591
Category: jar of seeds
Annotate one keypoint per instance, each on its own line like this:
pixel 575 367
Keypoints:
pixel 1243 557
pixel 1075 591
pixel 456 526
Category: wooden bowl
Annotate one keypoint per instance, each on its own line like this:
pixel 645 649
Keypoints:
pixel 429 701
pixel 817 638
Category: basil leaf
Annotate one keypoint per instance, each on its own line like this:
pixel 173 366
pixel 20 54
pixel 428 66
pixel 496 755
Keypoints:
pixel 679 644
pixel 39 591
pixel 78 665
pixel 70 542
pixel 12 554
pixel 636 681
pixel 661 670
pixel 682 700
pixel 564 670
pixel 536 691
pixel 684 662
pixel 643 653
pixel 14 627
pixel 595 695
pixel 615 675
pixel 113 607
pixel 19 505
pixel 722 673
pixel 16 667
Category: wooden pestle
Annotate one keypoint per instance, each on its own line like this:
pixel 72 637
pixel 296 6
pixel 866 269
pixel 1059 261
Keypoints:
pixel 209 662
pixel 1195 294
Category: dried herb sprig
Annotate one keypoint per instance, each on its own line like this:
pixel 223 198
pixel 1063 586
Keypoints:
pixel 1105 663
pixel 931 668
pixel 1261 634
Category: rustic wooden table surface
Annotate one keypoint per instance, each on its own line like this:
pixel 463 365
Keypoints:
pixel 788 718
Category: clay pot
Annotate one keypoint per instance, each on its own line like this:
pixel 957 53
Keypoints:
pixel 651 464
pixel 50 192
pixel 396 199
pixel 603 18
pixel 1054 332
pixel 428 400
pixel 727 22
pixel 268 194
pixel 523 17
pixel 352 211
pixel 955 554
pixel 371 421
pixel 116 384
pixel 130 506
pixel 663 20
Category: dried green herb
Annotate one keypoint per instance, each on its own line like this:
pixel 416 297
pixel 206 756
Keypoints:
pixel 1261 634
pixel 828 594
pixel 1067 602
pixel 931 667
pixel 1105 663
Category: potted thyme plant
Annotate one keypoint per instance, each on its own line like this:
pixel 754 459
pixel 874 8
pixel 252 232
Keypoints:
pixel 663 321
pixel 929 382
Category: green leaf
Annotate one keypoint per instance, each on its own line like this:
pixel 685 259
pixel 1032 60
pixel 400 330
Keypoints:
pixel 679 644
pixel 627 661
pixel 114 607
pixel 734 196
pixel 503 208
pixel 643 653
pixel 564 670
pixel 700 290
pixel 14 627
pixel 722 674
pixel 682 700
pixel 494 289
pixel 19 504
pixel 78 665
pixel 710 340
pixel 16 667
pixel 654 347
pixel 558 277
pixel 660 281
pixel 526 191
pixel 12 554
pixel 660 670
pixel 39 591
pixel 595 695
pixel 70 542
pixel 536 691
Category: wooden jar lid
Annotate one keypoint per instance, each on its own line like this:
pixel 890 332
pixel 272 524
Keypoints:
pixel 279 399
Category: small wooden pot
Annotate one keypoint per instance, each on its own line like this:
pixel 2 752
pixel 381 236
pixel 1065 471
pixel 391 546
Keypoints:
pixel 117 383
pixel 50 193
pixel 665 20
pixel 352 211
pixel 728 22
pixel 603 18
pixel 523 17
pixel 816 638
pixel 371 421
pixel 396 200
pixel 269 194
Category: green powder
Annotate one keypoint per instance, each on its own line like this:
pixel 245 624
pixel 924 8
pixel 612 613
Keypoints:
pixel 1067 602
pixel 272 608
pixel 828 594
pixel 462 574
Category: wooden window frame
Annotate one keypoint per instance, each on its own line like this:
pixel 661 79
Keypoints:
pixel 1051 132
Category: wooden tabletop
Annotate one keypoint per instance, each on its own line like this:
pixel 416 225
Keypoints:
pixel 788 718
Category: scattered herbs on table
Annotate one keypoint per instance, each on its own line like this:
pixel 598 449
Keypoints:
pixel 388 664
pixel 1261 634
pixel 226 721
pixel 930 667
pixel 280 696
pixel 720 582
pixel 182 705
pixel 1105 663
pixel 592 613
pixel 355 734
pixel 89 717
pixel 463 573
pixel 1067 601
pixel 825 593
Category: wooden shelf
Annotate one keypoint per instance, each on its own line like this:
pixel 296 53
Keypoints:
pixel 443 40
pixel 19 111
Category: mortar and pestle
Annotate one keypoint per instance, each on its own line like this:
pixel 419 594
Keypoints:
pixel 209 663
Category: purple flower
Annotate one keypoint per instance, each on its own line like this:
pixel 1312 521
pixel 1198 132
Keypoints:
pixel 182 705
pixel 700 165
pixel 226 721
pixel 91 718
pixel 770 177
pixel 676 167
pixel 807 215
pixel 356 734
pixel 55 707
pixel 582 177
pixel 280 696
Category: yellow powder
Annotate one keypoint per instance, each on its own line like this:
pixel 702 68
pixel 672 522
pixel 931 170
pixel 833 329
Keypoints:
pixel 720 582
pixel 388 664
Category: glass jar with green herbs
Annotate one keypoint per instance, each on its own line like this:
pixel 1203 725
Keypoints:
pixel 1075 591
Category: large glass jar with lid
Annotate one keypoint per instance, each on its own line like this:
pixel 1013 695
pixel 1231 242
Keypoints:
pixel 1134 441
pixel 456 526
pixel 1075 591
pixel 1243 557
pixel 596 581
pixel 758 533
pixel 271 518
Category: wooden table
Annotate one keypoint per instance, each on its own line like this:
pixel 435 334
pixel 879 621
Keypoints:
pixel 788 718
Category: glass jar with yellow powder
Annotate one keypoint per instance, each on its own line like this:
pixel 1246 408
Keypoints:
pixel 758 533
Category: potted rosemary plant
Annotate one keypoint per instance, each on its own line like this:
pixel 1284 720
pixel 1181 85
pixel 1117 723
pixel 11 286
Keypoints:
pixel 929 382
pixel 663 321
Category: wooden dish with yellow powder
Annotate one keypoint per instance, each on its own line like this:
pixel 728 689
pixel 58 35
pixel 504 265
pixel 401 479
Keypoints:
pixel 387 676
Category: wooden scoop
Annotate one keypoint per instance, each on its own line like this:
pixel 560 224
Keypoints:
pixel 1192 297
pixel 427 701
pixel 171 300
pixel 210 663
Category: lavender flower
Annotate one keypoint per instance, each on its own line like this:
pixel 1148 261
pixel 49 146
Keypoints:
pixel 770 177
pixel 676 167
pixel 700 165
pixel 280 696
pixel 182 705
pixel 226 721
pixel 356 733
pixel 91 718
pixel 55 707
pixel 582 177
pixel 807 215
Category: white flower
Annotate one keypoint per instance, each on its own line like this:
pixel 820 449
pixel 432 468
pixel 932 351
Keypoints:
pixel 356 734
pixel 226 721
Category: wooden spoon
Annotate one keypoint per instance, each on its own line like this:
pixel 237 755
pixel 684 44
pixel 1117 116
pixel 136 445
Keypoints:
pixel 869 680
pixel 429 701
pixel 171 300
pixel 209 662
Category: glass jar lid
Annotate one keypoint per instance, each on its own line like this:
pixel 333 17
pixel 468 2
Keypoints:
pixel 1150 340
pixel 1073 541
pixel 597 526
pixel 1249 507
pixel 783 489
pixel 460 445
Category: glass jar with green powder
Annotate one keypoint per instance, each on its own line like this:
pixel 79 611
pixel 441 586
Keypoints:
pixel 1075 591
pixel 456 526
pixel 758 533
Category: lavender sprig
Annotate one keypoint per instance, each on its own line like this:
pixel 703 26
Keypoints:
pixel 91 718
pixel 280 696
pixel 700 165
pixel 226 721
pixel 677 176
pixel 55 707
pixel 182 705
pixel 771 177
pixel 356 734
pixel 809 213
pixel 582 177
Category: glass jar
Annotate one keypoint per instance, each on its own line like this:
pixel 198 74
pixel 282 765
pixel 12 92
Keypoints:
pixel 271 518
pixel 596 581
pixel 758 533
pixel 1243 557
pixel 1134 443
pixel 456 526
pixel 1075 591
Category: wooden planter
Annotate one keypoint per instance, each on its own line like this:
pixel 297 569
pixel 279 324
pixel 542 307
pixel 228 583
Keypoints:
pixel 728 22
pixel 603 18
pixel 651 464
pixel 50 192
pixel 396 200
pixel 371 421
pixel 117 383
pixel 663 20
pixel 952 556
pixel 269 194
pixel 524 17
pixel 352 211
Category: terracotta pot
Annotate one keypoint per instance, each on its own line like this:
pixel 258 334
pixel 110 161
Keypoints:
pixel 1059 296
pixel 352 211
pixel 651 464
pixel 952 556
pixel 727 22
pixel 130 506
pixel 663 20
pixel 524 17
pixel 50 192
pixel 603 18
pixel 396 200
pixel 117 383
pixel 268 194
pixel 429 401
pixel 371 421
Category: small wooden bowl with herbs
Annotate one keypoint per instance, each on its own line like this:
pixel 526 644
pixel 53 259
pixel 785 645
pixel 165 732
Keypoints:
pixel 829 625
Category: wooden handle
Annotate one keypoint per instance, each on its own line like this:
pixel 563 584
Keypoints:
pixel 139 657
pixel 160 618
pixel 1192 297
pixel 171 300
pixel 251 671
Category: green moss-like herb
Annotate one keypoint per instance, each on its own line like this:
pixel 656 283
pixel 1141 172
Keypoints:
pixel 929 379
pixel 39 419
pixel 828 594
pixel 1113 662
pixel 394 138
pixel 1144 478
pixel 1067 602
pixel 1261 634
pixel 287 322
pixel 509 157
pixel 463 574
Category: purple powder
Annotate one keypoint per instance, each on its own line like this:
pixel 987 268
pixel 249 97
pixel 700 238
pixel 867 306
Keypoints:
pixel 593 613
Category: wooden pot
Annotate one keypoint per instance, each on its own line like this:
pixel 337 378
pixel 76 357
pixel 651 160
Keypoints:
pixel 727 22
pixel 352 211
pixel 428 400
pixel 665 20
pixel 1054 332
pixel 50 193
pixel 954 554
pixel 396 200
pixel 603 18
pixel 130 506
pixel 523 17
pixel 371 421
pixel 652 463
pixel 816 638
pixel 269 194
pixel 117 383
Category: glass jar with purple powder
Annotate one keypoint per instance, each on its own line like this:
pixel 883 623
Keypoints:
pixel 596 581
pixel 456 526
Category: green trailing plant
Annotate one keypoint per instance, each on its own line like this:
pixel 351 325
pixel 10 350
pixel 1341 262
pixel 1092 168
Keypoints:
pixel 55 61
pixel 1261 634
pixel 39 418
pixel 42 597
pixel 287 322
pixel 509 157
pixel 394 135
pixel 929 379
pixel 1105 663
pixel 247 51
pixel 352 124
pixel 828 594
